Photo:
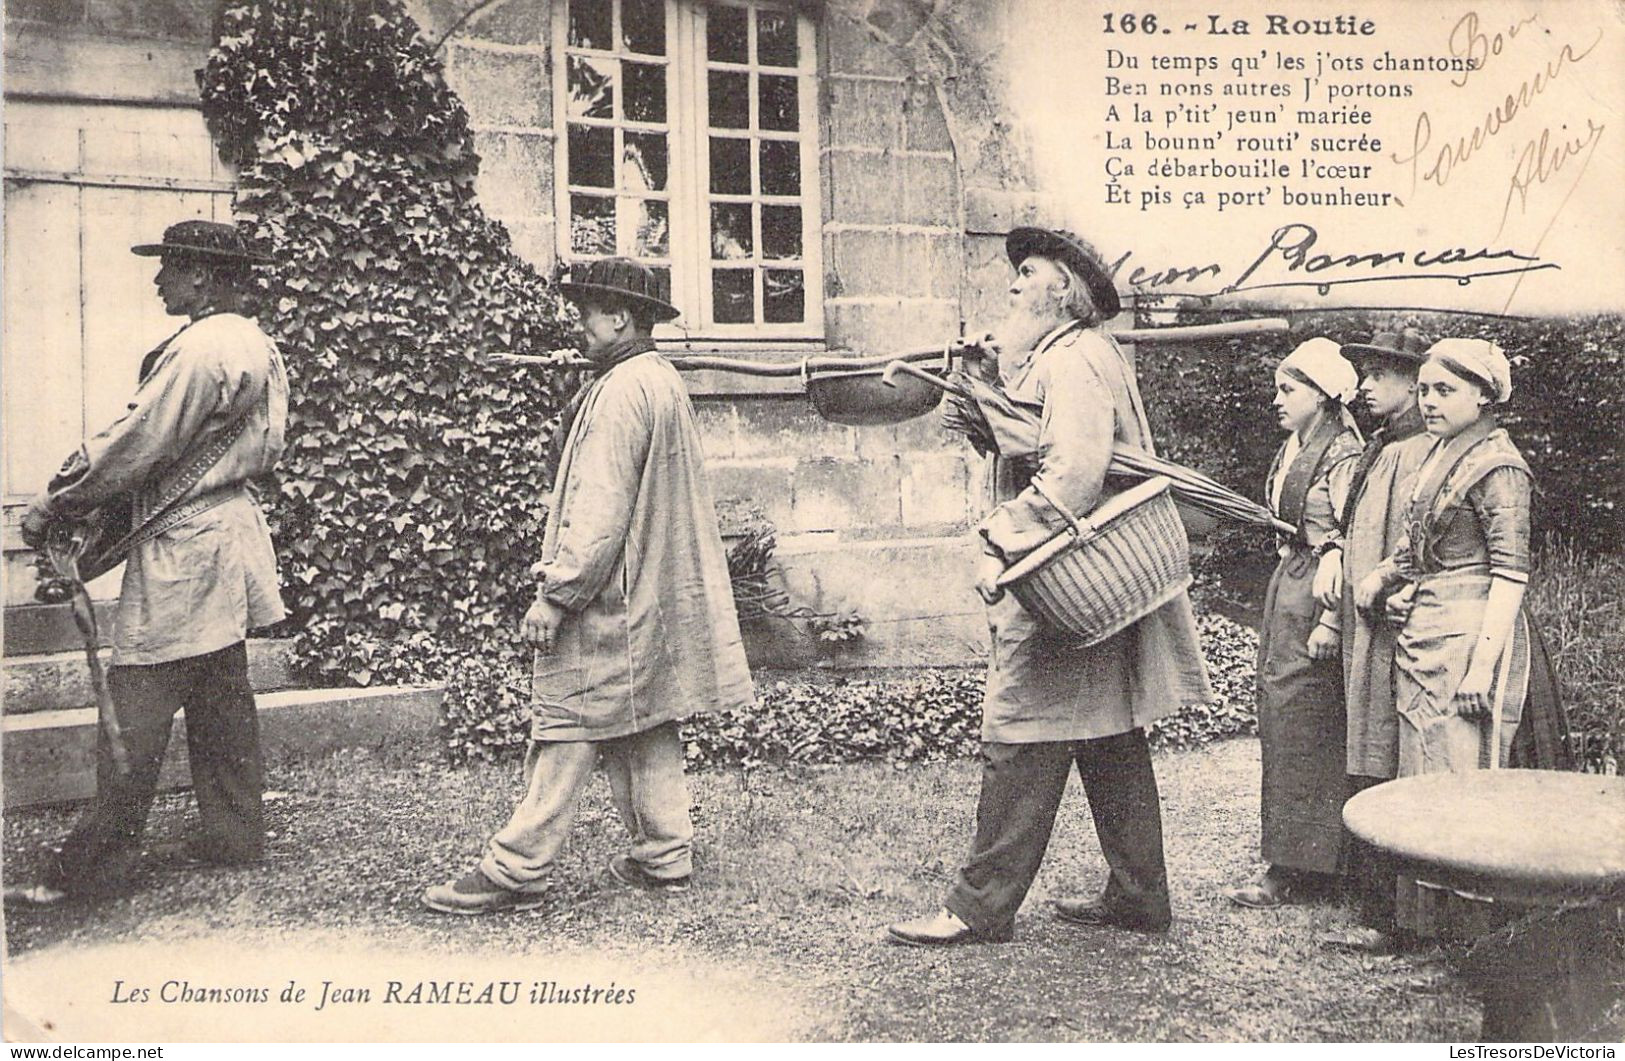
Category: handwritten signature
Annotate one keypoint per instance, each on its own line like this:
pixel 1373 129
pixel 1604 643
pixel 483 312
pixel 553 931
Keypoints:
pixel 1297 246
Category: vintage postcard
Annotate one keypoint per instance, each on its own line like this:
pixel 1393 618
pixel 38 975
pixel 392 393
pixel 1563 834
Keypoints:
pixel 488 557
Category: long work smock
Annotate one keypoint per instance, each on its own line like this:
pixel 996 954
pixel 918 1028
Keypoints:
pixel 1374 522
pixel 201 585
pixel 632 552
pixel 1040 687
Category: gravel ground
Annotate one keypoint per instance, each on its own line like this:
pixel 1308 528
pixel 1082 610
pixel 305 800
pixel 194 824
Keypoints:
pixel 798 871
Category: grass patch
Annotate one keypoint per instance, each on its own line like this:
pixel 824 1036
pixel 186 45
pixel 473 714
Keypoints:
pixel 1578 602
pixel 798 870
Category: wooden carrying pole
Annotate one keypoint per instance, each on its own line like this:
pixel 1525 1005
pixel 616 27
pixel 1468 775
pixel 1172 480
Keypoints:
pixel 1188 333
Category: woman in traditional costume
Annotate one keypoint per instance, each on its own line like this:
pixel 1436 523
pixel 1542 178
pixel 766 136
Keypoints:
pixel 1463 658
pixel 1461 568
pixel 1301 720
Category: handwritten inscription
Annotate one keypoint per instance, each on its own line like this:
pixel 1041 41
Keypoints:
pixel 1469 41
pixel 1541 159
pixel 1451 156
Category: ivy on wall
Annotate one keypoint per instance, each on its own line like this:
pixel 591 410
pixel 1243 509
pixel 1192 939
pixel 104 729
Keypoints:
pixel 413 488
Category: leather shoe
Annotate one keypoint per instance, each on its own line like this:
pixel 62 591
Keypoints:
pixel 1360 941
pixel 1267 893
pixel 38 896
pixel 942 929
pixel 628 872
pixel 192 854
pixel 474 893
pixel 1100 914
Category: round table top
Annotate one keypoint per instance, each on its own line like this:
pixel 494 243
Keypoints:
pixel 1527 834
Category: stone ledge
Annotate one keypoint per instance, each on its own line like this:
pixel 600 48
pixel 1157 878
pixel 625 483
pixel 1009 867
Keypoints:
pixel 61 680
pixel 915 594
pixel 49 756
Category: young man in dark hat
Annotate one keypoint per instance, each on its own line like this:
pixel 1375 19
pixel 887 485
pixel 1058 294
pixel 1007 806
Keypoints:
pixel 634 620
pixel 1050 705
pixel 1373 520
pixel 207 418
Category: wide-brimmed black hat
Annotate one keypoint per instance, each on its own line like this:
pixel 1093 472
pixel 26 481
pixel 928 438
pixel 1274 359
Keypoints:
pixel 623 279
pixel 203 239
pixel 1408 344
pixel 1078 254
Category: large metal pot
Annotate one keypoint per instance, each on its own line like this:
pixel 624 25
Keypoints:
pixel 862 398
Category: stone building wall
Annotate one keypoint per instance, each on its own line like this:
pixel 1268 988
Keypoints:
pixel 922 170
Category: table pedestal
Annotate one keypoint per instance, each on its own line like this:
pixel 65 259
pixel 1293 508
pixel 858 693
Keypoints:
pixel 1549 848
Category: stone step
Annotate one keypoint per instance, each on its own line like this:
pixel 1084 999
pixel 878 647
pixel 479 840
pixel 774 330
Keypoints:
pixel 50 756
pixel 58 681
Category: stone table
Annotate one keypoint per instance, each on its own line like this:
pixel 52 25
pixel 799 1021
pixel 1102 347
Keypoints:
pixel 1551 847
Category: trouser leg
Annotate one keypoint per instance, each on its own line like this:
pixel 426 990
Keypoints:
pixel 1022 786
pixel 646 779
pixel 1122 792
pixel 103 850
pixel 223 745
pixel 518 856
pixel 1373 872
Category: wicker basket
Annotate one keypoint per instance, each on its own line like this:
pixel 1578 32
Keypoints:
pixel 1112 568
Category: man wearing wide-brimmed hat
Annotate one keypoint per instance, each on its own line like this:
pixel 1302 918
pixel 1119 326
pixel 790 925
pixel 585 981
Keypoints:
pixel 207 418
pixel 1051 705
pixel 634 617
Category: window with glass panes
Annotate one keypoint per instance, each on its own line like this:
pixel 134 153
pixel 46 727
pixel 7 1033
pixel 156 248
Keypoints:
pixel 691 145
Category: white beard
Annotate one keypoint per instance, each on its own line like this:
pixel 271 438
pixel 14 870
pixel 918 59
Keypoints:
pixel 1022 328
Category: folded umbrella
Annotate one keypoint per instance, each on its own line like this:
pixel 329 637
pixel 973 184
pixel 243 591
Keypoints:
pixel 1013 427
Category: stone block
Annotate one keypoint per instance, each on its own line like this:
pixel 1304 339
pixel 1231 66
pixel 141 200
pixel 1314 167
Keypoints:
pixel 987 282
pixel 516 174
pixel 925 128
pixel 51 12
pixel 844 494
pixel 865 113
pixel 185 20
pixel 930 266
pixel 863 262
pixel 67 63
pixel 898 20
pixel 509 22
pixel 854 49
pixel 930 191
pixel 998 209
pixel 936 490
pixel 765 483
pixel 864 186
pixel 916 594
pixel 533 241
pixel 789 428
pixel 50 755
pixel 886 327
pixel 59 680
pixel 925 434
pixel 718 422
pixel 510 89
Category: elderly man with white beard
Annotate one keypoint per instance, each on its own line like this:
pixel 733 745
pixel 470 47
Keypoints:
pixel 1049 703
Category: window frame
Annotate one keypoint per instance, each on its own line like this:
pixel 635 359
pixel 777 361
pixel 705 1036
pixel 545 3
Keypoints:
pixel 687 190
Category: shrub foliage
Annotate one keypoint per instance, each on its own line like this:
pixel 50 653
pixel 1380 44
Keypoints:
pixel 936 714
pixel 412 493
pixel 1210 404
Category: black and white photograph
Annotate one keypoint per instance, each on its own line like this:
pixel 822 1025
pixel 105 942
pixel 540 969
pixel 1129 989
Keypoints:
pixel 618 521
